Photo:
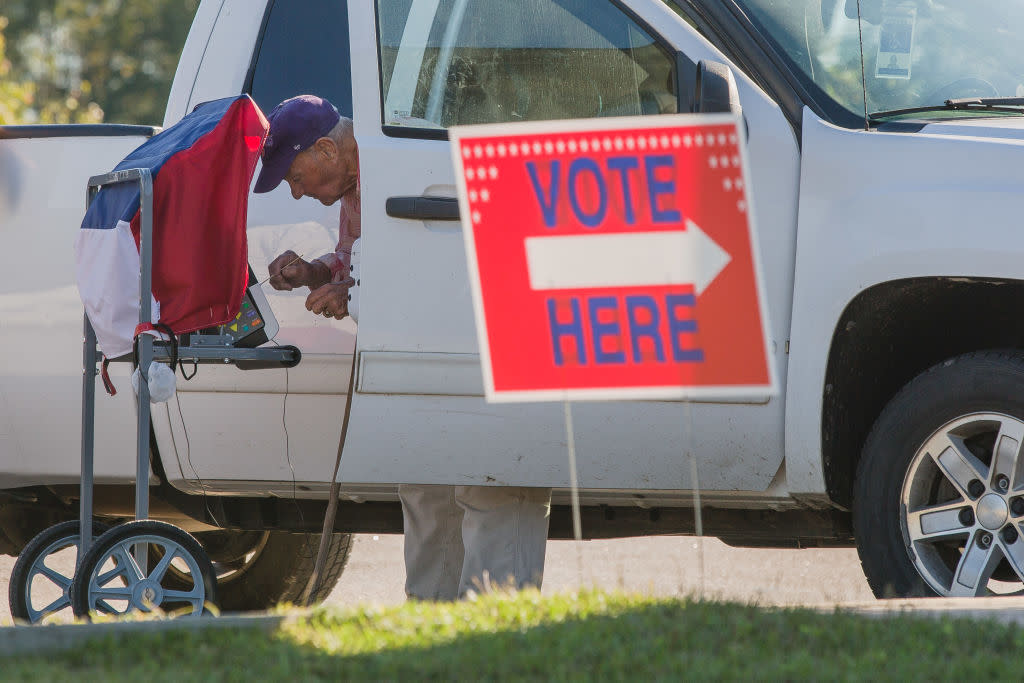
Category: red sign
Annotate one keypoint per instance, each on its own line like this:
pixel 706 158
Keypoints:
pixel 613 259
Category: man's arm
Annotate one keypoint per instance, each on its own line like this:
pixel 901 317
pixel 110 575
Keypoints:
pixel 331 300
pixel 339 261
pixel 289 271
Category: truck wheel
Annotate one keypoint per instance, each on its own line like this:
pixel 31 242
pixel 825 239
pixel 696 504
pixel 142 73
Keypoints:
pixel 938 504
pixel 257 570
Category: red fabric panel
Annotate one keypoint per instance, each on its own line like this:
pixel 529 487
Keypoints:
pixel 200 261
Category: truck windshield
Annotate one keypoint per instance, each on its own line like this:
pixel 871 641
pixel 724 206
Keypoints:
pixel 917 53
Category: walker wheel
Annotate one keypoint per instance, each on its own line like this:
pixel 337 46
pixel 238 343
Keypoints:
pixel 110 580
pixel 40 582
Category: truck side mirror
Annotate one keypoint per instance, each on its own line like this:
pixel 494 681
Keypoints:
pixel 715 90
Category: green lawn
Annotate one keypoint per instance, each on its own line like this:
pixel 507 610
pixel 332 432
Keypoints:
pixel 592 636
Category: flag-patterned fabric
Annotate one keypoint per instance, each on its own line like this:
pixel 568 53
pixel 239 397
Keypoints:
pixel 202 168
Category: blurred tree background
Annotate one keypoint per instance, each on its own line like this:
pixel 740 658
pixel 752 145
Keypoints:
pixel 89 61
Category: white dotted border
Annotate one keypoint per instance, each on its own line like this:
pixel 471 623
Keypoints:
pixel 598 142
pixel 724 157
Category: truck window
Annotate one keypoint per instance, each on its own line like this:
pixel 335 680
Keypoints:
pixel 907 54
pixel 450 62
pixel 303 48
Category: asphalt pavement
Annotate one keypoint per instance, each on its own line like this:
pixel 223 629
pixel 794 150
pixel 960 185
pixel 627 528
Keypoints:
pixel 825 579
pixel 662 566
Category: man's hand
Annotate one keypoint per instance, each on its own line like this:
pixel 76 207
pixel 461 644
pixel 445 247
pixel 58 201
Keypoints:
pixel 288 271
pixel 330 301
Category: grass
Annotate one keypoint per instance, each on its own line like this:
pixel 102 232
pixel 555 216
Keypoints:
pixel 589 636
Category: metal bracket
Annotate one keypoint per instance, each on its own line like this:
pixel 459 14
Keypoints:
pixel 210 340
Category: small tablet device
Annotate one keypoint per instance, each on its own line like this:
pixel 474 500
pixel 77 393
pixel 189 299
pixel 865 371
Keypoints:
pixel 255 323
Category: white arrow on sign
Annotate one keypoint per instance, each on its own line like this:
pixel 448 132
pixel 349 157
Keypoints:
pixel 625 259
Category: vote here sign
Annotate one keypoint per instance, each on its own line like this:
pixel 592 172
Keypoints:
pixel 613 259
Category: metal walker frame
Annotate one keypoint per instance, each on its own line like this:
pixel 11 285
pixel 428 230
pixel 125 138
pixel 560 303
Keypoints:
pixel 205 349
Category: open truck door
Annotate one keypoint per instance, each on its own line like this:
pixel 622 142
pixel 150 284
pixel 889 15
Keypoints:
pixel 418 411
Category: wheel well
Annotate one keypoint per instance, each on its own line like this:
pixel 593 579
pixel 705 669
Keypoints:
pixel 25 512
pixel 888 335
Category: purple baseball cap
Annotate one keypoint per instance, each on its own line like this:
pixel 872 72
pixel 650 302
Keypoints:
pixel 295 124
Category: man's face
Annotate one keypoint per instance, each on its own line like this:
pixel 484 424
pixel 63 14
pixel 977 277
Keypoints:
pixel 322 172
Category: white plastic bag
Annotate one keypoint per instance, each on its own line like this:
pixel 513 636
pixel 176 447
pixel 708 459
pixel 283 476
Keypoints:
pixel 161 382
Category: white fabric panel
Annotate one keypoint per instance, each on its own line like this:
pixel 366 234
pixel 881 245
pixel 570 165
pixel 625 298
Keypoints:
pixel 107 270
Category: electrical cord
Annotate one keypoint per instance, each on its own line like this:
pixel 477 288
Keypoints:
pixel 288 458
pixel 188 457
pixel 332 504
pixel 288 452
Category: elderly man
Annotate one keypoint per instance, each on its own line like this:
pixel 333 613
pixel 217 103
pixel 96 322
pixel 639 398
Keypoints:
pixel 457 538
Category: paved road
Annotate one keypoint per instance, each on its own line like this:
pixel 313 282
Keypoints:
pixel 659 566
pixel 665 566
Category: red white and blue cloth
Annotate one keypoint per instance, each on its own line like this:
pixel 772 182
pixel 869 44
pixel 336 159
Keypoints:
pixel 202 168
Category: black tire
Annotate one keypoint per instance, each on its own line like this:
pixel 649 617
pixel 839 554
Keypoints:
pixel 277 569
pixel 159 532
pixel 48 541
pixel 955 392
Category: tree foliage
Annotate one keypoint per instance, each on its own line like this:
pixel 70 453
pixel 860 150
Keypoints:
pixel 15 97
pixel 90 60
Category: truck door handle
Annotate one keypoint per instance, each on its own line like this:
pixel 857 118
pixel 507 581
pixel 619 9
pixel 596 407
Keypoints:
pixel 423 208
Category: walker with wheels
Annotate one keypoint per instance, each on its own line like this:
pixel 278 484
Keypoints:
pixel 144 564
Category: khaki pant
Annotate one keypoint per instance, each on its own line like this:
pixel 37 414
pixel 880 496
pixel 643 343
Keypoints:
pixel 457 535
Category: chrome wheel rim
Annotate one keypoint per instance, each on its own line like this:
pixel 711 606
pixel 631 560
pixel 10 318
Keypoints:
pixel 962 507
pixel 228 571
pixel 118 584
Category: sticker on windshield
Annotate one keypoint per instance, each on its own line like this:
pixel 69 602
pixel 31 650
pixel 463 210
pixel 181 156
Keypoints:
pixel 896 42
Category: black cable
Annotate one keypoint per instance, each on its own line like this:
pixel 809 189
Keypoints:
pixel 188 456
pixel 195 369
pixel 288 451
pixel 863 76
pixel 287 446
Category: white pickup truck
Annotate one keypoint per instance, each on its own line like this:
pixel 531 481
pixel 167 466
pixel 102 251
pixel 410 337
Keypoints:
pixel 885 140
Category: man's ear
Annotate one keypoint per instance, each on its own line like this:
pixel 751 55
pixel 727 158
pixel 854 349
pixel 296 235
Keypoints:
pixel 327 148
